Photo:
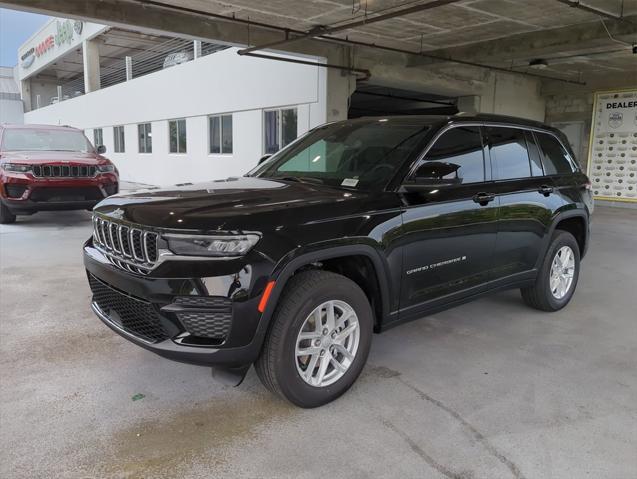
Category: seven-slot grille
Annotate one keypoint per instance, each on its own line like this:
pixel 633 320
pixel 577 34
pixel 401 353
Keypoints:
pixel 64 171
pixel 128 247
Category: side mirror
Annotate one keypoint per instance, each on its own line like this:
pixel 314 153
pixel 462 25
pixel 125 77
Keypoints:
pixel 101 149
pixel 264 158
pixel 432 175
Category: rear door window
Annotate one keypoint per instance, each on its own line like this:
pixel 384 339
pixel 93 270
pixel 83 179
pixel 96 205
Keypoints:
pixel 534 155
pixel 457 154
pixel 555 158
pixel 508 152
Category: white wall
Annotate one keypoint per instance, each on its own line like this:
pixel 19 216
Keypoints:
pixel 11 111
pixel 215 84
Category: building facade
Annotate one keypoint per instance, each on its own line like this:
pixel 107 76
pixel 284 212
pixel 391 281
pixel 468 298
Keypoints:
pixel 11 109
pixel 167 110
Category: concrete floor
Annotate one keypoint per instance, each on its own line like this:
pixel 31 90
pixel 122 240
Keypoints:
pixel 491 389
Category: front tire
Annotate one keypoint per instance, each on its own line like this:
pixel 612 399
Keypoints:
pixel 6 217
pixel 319 339
pixel 558 275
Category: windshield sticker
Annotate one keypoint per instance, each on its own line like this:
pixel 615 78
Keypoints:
pixel 349 182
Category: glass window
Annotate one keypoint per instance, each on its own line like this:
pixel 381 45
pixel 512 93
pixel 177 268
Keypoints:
pixel 555 158
pixel 362 154
pixel 98 137
pixel 145 137
pixel 226 134
pixel 288 127
pixel 26 139
pixel 508 152
pixel 177 135
pixel 534 155
pixel 457 154
pixel 220 133
pixel 118 134
pixel 280 128
pixel 271 131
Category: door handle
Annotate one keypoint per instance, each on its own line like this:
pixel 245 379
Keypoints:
pixel 484 198
pixel 546 190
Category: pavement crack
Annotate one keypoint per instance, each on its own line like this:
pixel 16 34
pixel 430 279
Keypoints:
pixel 477 435
pixel 441 468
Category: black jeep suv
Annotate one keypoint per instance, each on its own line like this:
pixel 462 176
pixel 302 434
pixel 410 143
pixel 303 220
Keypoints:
pixel 353 228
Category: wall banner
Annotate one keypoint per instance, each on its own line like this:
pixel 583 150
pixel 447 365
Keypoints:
pixel 612 161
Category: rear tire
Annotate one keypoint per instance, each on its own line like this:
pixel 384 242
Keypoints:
pixel 558 275
pixel 6 217
pixel 340 339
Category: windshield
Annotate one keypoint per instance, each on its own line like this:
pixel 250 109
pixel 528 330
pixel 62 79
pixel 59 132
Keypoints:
pixel 361 155
pixel 24 139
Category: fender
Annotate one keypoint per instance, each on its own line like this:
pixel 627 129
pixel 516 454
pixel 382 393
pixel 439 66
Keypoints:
pixel 296 259
pixel 562 215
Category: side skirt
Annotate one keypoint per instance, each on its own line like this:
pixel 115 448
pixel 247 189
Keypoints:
pixel 519 280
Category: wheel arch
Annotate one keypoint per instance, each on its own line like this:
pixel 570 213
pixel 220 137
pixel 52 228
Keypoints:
pixel 575 222
pixel 341 260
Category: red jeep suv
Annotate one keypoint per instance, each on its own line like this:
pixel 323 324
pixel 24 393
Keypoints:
pixel 44 167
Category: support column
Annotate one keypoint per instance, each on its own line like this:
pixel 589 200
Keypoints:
pixel 196 47
pixel 469 104
pixel 25 94
pixel 91 57
pixel 340 86
pixel 129 68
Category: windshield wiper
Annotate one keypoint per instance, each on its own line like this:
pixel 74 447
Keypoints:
pixel 299 179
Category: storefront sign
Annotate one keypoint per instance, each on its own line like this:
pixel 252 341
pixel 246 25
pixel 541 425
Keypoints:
pixel 612 162
pixel 64 35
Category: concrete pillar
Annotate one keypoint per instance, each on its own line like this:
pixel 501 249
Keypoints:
pixel 129 68
pixel 91 57
pixel 59 90
pixel 38 103
pixel 469 104
pixel 25 94
pixel 340 86
pixel 196 47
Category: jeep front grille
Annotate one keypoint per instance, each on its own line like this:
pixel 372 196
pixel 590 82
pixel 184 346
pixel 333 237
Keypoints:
pixel 64 171
pixel 126 246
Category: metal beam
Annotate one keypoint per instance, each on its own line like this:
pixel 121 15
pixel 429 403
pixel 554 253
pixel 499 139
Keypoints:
pixel 365 74
pixel 322 31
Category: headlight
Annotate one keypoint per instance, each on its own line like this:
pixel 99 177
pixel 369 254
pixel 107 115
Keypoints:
pixel 16 167
pixel 105 168
pixel 199 245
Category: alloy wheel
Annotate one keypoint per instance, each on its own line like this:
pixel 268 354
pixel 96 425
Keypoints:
pixel 327 343
pixel 562 272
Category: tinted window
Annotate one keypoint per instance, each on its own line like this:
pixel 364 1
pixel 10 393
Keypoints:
pixel 220 131
pixel 456 154
pixel 98 137
pixel 555 158
pixel 508 152
pixel 534 155
pixel 118 135
pixel 177 136
pixel 145 138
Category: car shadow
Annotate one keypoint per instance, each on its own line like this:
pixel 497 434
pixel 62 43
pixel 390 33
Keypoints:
pixel 51 218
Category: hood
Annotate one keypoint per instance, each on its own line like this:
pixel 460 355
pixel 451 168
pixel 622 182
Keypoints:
pixel 235 204
pixel 46 157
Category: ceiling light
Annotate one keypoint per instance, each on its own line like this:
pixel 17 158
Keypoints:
pixel 538 63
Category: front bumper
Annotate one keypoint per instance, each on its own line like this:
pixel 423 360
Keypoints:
pixel 209 320
pixel 24 193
